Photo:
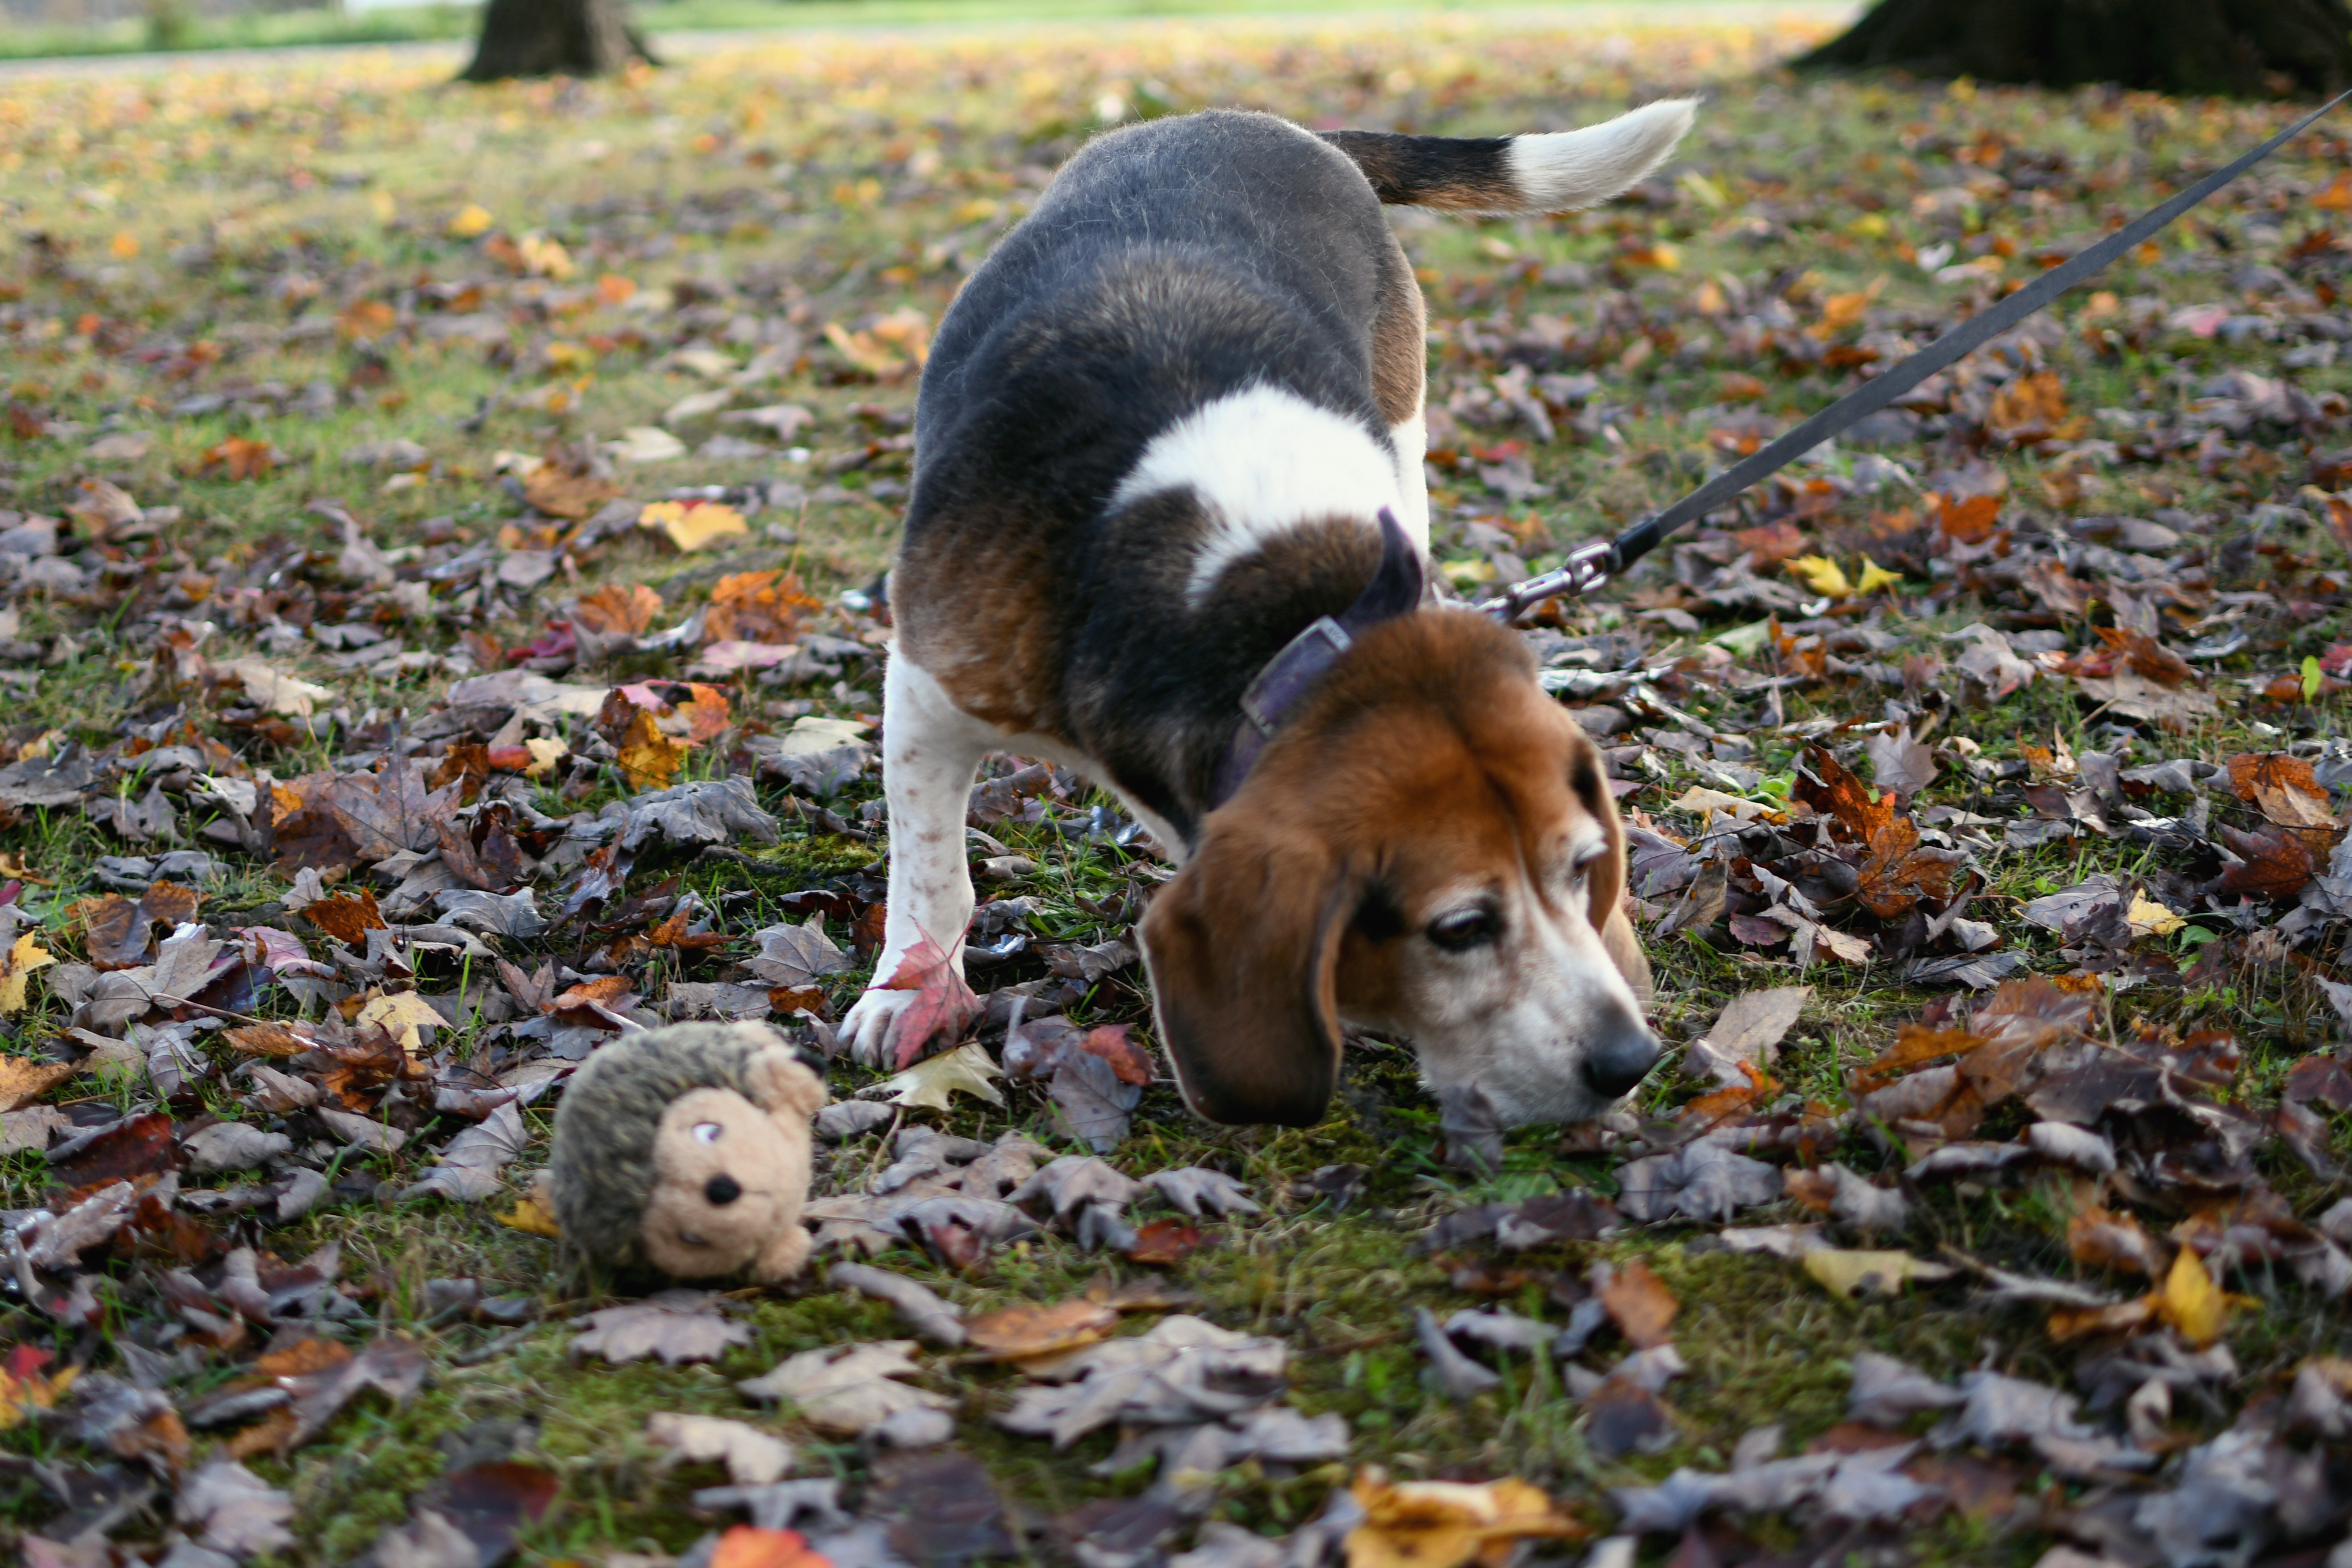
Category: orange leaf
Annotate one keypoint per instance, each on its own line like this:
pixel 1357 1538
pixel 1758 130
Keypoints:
pixel 347 919
pixel 1640 1304
pixel 1164 1241
pixel 756 606
pixel 614 610
pixel 747 1546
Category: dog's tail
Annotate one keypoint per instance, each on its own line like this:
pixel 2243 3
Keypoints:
pixel 1540 173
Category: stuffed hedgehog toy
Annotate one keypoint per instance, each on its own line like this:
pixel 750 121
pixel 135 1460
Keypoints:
pixel 687 1149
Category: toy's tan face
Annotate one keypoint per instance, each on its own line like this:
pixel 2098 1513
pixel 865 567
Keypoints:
pixel 730 1180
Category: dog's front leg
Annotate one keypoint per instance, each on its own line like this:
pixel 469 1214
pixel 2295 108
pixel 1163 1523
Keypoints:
pixel 930 749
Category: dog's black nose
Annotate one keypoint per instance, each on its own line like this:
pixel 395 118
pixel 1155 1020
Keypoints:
pixel 1621 1057
pixel 725 1189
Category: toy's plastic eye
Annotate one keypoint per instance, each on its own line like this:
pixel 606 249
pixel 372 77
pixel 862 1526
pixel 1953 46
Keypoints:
pixel 691 1239
pixel 708 1132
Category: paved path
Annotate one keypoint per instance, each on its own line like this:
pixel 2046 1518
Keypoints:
pixel 1598 17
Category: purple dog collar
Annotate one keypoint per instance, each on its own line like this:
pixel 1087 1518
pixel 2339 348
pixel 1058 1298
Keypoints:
pixel 1304 659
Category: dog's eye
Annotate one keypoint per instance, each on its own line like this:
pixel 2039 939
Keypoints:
pixel 1464 930
pixel 708 1132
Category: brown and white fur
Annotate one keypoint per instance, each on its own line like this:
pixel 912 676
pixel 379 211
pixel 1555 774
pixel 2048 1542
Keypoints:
pixel 1153 437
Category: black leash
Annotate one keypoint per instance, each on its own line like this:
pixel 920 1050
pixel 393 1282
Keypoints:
pixel 1589 565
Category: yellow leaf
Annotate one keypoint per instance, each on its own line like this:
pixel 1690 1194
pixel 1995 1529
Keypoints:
pixel 544 258
pixel 124 246
pixel 1822 576
pixel 648 757
pixel 23 1081
pixel 23 958
pixel 403 1013
pixel 692 527
pixel 1445 1524
pixel 2191 1301
pixel 533 1218
pixel 545 751
pixel 471 220
pixel 2149 918
pixel 1842 1273
pixel 1875 577
pixel 863 350
pixel 20 1396
pixel 930 1082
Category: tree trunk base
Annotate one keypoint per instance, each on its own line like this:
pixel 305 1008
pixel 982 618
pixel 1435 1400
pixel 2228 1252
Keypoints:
pixel 2245 48
pixel 554 37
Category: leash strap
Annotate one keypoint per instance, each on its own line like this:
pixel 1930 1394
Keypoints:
pixel 1589 566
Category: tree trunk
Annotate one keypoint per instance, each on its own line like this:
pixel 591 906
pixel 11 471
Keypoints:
pixel 554 37
pixel 2247 48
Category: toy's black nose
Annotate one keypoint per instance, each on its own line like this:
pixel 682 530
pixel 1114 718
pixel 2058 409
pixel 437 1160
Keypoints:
pixel 722 1189
pixel 1621 1057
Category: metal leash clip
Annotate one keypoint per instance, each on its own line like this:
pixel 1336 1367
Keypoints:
pixel 1586 567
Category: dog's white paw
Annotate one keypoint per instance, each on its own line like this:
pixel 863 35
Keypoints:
pixel 871 1028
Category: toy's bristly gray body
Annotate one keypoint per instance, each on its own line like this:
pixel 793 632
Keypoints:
pixel 602 1163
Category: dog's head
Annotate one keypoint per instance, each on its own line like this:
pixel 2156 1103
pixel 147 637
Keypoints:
pixel 1429 849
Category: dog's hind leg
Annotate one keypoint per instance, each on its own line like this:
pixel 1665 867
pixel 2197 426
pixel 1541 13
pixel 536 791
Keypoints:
pixel 930 749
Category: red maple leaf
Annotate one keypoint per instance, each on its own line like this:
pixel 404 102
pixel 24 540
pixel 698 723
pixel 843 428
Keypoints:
pixel 943 1004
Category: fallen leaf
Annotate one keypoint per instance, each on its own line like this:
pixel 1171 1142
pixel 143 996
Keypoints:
pixel 1194 1190
pixel 747 1546
pixel 1029 1329
pixel 944 1005
pixel 930 1083
pixel 753 1458
pixel 1638 1301
pixel 347 918
pixel 24 955
pixel 1073 1182
pixel 1748 1032
pixel 917 1304
pixel 844 1390
pixel 1445 1524
pixel 618 611
pixel 532 1218
pixel 677 1325
pixel 277 692
pixel 23 1081
pixel 229 1510
pixel 690 526
pixel 2191 1301
pixel 2282 789
pixel 1899 762
pixel 648 758
pixel 1844 1273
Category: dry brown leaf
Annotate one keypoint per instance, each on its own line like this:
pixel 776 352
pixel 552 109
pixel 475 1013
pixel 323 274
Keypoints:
pixel 616 610
pixel 1017 1332
pixel 1640 1304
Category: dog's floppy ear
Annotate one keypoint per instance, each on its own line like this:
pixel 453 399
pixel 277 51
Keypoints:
pixel 1243 948
pixel 1606 883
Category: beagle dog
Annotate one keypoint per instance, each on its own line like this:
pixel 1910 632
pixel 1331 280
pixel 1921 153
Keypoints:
pixel 1168 527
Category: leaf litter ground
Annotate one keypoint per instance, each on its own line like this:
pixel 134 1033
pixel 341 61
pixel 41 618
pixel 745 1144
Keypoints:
pixel 436 523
